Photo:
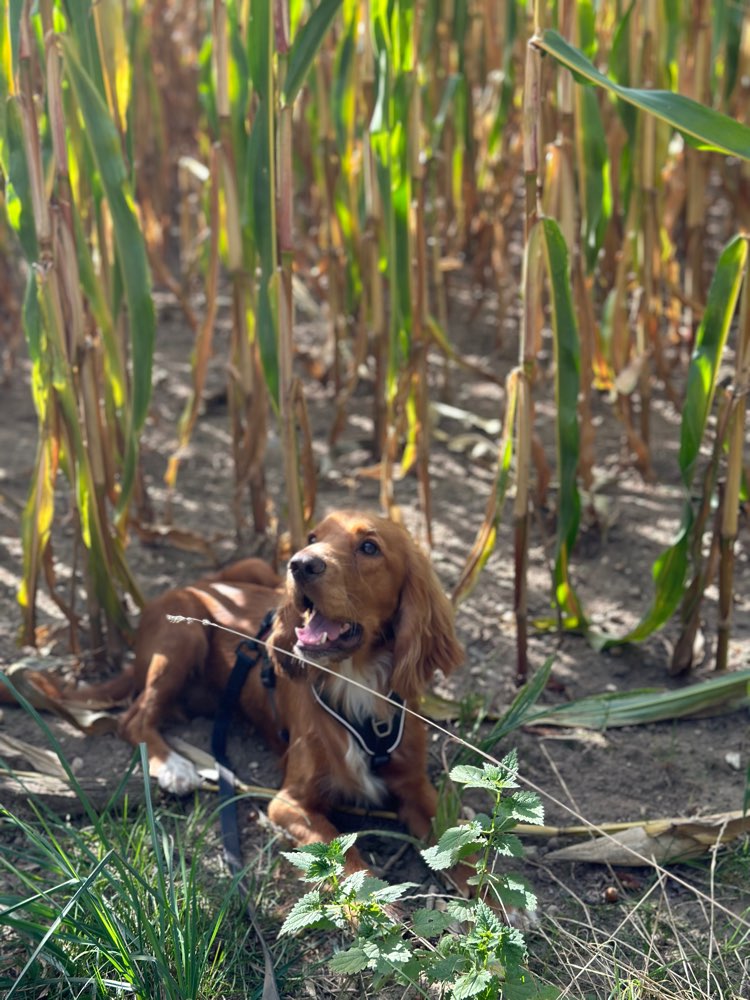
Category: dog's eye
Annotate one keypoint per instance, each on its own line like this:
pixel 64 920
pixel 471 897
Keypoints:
pixel 311 538
pixel 369 548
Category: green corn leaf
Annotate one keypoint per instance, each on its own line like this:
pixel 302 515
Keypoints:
pixel 267 326
pixel 446 101
pixel 401 272
pixel 567 372
pixel 82 29
pixel 726 45
pixel 715 696
pixel 260 48
pixel 306 45
pixel 700 125
pixel 593 165
pixel 484 543
pixel 18 203
pixel 95 293
pixel 131 251
pixel 670 569
pixel 668 574
pixel 709 347
pixel 345 100
pixel 522 708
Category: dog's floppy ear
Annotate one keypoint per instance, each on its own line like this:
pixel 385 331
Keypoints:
pixel 425 633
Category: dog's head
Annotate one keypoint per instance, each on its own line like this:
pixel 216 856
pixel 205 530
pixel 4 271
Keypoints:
pixel 362 591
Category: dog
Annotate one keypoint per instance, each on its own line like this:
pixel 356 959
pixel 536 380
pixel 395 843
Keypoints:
pixel 362 601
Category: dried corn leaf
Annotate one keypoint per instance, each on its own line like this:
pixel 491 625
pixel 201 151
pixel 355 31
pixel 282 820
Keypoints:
pixel 20 786
pixel 44 761
pixel 185 541
pixel 716 696
pixel 42 691
pixel 661 841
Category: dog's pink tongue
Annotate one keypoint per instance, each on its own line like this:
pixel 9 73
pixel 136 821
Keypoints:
pixel 312 633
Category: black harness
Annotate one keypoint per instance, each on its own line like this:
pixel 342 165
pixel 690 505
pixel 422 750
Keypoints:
pixel 378 738
pixel 247 655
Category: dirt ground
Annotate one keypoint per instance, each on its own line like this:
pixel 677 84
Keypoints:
pixel 670 769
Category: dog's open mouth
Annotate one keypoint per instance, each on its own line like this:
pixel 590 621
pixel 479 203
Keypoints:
pixel 319 634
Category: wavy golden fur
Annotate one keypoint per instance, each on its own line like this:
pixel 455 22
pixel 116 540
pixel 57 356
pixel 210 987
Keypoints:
pixel 360 599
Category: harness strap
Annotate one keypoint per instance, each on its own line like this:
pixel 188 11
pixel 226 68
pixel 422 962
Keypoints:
pixel 247 654
pixel 377 737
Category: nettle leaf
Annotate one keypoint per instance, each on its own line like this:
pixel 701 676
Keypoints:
pixel 340 845
pixel 431 923
pixel 492 777
pixel 463 910
pixel 453 845
pixel 321 861
pixel 443 968
pixel 349 963
pixel 390 893
pixel 463 774
pixel 361 884
pixel 527 989
pixel 527 808
pixel 298 859
pixel 306 912
pixel 487 921
pixel 393 950
pixel 471 984
pixel 514 894
pixel 509 846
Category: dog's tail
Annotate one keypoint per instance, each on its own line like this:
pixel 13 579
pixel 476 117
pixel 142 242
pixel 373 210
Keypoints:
pixel 106 694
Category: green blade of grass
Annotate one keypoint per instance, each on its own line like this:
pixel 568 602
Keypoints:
pixel 700 125
pixel 59 919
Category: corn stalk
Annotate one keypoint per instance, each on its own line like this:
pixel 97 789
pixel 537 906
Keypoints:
pixel 89 317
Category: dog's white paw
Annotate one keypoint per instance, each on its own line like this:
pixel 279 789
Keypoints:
pixel 177 775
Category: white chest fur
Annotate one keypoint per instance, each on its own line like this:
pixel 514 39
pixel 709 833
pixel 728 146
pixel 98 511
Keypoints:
pixel 371 789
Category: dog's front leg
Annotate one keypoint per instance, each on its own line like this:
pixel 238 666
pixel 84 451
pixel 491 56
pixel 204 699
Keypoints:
pixel 417 808
pixel 306 824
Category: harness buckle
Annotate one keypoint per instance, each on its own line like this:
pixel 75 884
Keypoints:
pixel 383 727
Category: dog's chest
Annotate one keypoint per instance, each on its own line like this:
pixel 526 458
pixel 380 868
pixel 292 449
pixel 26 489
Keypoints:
pixel 368 788
pixel 358 704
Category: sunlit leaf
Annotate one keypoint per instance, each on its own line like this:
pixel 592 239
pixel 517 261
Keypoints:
pixel 700 124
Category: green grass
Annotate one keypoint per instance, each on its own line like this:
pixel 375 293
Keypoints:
pixel 134 903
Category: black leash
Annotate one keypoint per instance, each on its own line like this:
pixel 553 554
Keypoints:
pixel 247 655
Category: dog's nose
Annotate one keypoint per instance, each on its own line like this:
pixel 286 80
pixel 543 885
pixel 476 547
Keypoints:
pixel 305 566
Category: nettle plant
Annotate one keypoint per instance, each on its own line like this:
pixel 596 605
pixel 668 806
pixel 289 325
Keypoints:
pixel 467 948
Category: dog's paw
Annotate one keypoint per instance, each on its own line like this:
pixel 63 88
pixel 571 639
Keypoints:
pixel 177 775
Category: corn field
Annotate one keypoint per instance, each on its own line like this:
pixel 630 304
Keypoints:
pixel 250 145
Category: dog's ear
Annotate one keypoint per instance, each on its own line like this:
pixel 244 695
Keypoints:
pixel 425 633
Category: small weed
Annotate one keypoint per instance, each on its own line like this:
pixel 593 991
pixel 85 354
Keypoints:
pixel 486 957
